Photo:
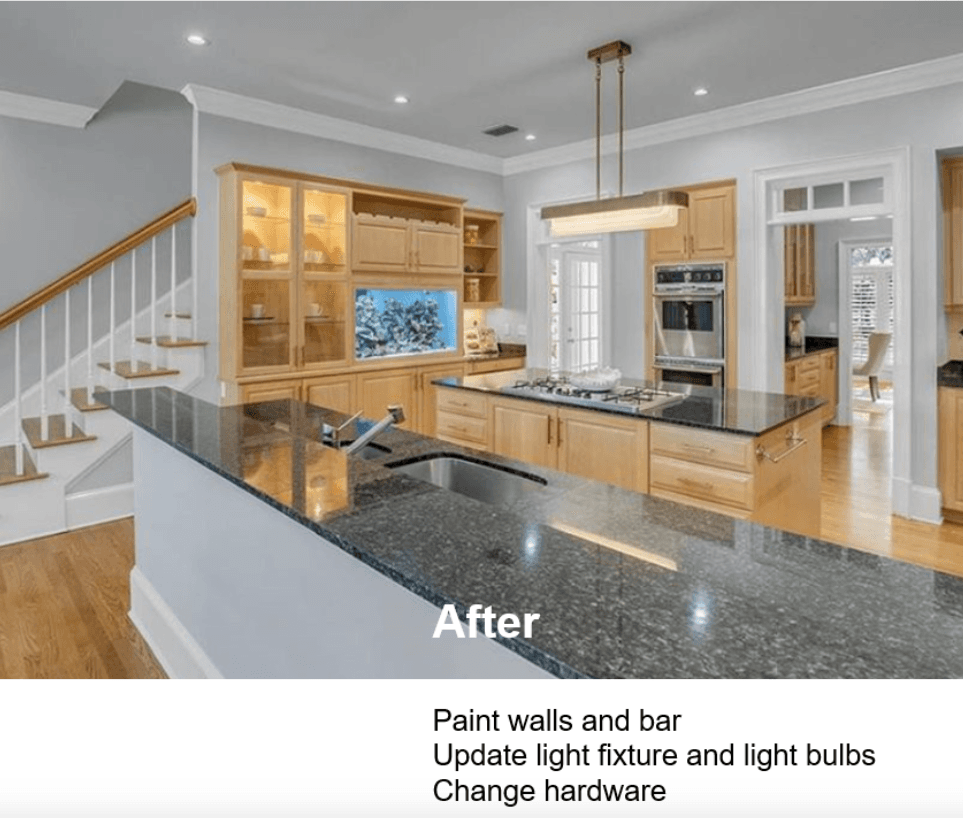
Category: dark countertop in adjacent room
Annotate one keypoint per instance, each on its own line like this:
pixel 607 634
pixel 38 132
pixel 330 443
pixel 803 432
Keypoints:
pixel 734 411
pixel 950 374
pixel 687 593
pixel 813 346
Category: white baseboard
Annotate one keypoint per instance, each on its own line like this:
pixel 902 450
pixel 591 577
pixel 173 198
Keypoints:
pixel 99 505
pixel 179 655
pixel 926 504
pixel 923 503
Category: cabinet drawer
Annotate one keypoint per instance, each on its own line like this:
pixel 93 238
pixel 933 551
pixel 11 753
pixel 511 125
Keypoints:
pixel 497 365
pixel 460 428
pixel 707 448
pixel 462 402
pixel 811 389
pixel 808 364
pixel 701 482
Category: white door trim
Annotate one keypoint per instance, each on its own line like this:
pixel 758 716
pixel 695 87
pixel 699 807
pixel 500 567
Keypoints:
pixel 767 315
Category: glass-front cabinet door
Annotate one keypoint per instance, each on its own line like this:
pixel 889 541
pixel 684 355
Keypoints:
pixel 268 275
pixel 323 287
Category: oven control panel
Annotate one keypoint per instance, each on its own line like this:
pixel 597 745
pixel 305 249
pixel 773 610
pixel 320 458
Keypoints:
pixel 691 274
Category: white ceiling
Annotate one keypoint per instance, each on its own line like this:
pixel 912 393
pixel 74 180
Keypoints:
pixel 467 66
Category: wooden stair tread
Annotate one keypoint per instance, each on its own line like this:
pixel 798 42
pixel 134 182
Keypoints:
pixel 56 432
pixel 83 402
pixel 185 315
pixel 139 369
pixel 8 467
pixel 171 343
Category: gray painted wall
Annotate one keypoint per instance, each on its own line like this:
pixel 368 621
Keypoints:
pixel 221 140
pixel 76 192
pixel 823 317
pixel 926 121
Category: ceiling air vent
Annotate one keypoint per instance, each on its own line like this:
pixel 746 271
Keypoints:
pixel 500 130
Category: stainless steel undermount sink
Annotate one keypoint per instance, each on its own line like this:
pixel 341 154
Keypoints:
pixel 485 482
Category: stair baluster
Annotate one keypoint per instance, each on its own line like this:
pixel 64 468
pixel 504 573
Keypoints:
pixel 90 339
pixel 44 426
pixel 194 311
pixel 174 282
pixel 113 319
pixel 68 406
pixel 17 403
pixel 153 302
pixel 134 363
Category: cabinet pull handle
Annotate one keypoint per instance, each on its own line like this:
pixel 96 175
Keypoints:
pixel 549 431
pixel 708 488
pixel 795 443
pixel 694 448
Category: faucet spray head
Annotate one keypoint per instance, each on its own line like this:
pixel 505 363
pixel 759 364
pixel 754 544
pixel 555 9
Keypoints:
pixel 397 412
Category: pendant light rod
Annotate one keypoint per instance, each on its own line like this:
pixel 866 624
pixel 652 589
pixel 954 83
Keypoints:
pixel 598 129
pixel 621 118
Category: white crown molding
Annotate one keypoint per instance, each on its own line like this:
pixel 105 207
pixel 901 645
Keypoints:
pixel 261 112
pixel 894 82
pixel 39 109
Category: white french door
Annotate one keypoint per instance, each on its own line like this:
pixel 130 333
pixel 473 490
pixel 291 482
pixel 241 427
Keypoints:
pixel 576 306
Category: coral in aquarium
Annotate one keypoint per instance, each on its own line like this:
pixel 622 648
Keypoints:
pixel 397 328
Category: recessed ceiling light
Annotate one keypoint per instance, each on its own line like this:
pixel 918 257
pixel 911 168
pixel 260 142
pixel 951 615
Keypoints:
pixel 530 137
pixel 401 99
pixel 198 39
pixel 701 91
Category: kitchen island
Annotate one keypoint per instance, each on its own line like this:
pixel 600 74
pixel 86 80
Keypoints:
pixel 752 455
pixel 262 552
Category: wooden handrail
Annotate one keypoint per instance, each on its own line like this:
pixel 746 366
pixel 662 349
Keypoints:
pixel 92 265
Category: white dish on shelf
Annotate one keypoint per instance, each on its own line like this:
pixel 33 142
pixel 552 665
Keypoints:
pixel 596 380
pixel 256 211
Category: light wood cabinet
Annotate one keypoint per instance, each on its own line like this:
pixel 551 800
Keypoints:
pixel 951 451
pixel 428 392
pixel 604 447
pixel 483 258
pixel 952 191
pixel 525 430
pixel 271 390
pixel 378 390
pixel 333 392
pixel 706 229
pixel 379 244
pixel 799 252
pixel 815 376
pixel 462 417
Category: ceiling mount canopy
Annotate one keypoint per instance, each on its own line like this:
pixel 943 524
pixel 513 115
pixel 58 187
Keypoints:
pixel 644 211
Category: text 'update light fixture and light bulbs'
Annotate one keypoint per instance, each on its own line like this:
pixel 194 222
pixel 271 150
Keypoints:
pixel 644 211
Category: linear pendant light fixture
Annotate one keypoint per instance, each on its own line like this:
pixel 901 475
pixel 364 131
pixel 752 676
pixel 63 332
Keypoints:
pixel 644 211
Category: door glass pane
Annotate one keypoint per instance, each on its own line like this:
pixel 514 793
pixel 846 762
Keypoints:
pixel 266 322
pixel 266 225
pixel 866 191
pixel 828 196
pixel 794 199
pixel 324 321
pixel 324 230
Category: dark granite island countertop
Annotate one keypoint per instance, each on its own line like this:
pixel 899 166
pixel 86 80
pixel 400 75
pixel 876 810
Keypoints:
pixel 674 592
pixel 950 375
pixel 735 411
pixel 813 346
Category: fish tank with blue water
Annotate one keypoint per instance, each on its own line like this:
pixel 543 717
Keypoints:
pixel 390 323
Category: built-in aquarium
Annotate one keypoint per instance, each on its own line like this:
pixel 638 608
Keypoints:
pixel 404 322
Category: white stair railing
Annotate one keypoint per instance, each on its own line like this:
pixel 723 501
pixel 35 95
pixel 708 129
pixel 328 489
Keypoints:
pixel 133 310
pixel 153 301
pixel 173 285
pixel 44 429
pixel 17 404
pixel 68 405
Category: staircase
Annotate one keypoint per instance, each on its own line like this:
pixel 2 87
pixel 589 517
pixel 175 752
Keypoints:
pixel 124 319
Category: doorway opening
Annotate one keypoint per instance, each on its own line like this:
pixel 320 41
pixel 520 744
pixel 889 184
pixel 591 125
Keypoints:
pixel 576 303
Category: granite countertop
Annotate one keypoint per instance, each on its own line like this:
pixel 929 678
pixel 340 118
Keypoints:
pixel 813 346
pixel 950 374
pixel 735 411
pixel 687 593
pixel 504 351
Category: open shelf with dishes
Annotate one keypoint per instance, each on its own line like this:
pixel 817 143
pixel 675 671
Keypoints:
pixel 482 258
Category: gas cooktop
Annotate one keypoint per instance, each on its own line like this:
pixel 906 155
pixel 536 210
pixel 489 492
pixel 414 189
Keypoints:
pixel 629 399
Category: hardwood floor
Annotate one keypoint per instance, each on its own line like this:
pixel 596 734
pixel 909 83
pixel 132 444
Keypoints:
pixel 63 608
pixel 856 505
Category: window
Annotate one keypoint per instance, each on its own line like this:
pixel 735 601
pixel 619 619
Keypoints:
pixel 871 280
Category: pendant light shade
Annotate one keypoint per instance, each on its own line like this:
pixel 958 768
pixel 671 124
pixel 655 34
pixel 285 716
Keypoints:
pixel 645 211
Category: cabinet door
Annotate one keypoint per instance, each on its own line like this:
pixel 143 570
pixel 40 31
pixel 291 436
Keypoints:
pixel 613 450
pixel 829 384
pixel 711 223
pixel 670 243
pixel 525 431
pixel 270 390
pixel 429 393
pixel 335 392
pixel 436 250
pixel 789 263
pixel 951 447
pixel 379 244
pixel 806 262
pixel 378 390
pixel 953 232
